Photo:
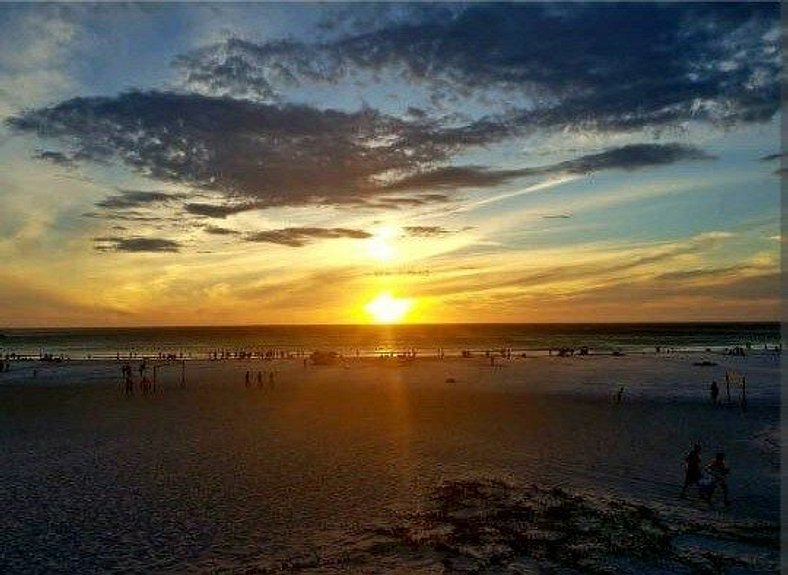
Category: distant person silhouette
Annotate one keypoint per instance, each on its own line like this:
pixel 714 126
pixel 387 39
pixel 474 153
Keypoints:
pixel 692 472
pixel 145 385
pixel 719 470
pixel 619 395
pixel 714 390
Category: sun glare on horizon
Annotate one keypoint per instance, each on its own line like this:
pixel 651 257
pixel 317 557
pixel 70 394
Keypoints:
pixel 387 309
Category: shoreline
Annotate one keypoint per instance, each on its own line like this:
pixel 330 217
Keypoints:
pixel 404 353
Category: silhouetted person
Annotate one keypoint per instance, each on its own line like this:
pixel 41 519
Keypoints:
pixel 248 379
pixel 714 390
pixel 145 385
pixel 719 470
pixel 259 380
pixel 619 395
pixel 271 379
pixel 692 473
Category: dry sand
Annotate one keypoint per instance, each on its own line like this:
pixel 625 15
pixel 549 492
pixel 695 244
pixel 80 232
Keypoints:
pixel 217 476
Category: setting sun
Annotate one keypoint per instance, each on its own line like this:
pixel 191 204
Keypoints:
pixel 387 309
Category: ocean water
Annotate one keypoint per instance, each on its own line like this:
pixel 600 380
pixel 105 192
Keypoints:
pixel 365 340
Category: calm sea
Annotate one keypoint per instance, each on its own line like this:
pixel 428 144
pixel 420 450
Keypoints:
pixel 197 342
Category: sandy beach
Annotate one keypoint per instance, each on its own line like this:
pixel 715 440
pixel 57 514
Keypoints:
pixel 335 468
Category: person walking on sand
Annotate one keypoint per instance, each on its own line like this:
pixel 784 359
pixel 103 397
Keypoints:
pixel 619 395
pixel 692 473
pixel 719 470
pixel 271 379
pixel 248 379
pixel 714 390
pixel 259 380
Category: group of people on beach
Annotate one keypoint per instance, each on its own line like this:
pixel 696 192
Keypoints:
pixel 259 378
pixel 146 386
pixel 707 479
pixel 269 354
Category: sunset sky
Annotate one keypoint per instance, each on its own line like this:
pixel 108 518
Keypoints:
pixel 191 164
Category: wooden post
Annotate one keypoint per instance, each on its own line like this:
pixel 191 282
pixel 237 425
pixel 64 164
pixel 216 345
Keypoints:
pixel 728 386
pixel 743 394
pixel 183 373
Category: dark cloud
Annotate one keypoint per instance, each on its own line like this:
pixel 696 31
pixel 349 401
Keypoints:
pixel 557 217
pixel 134 199
pixel 452 177
pixel 596 65
pixel 771 157
pixel 256 155
pixel 136 244
pixel 57 158
pixel 298 237
pixel 610 66
pixel 631 157
pixel 128 215
pixel 217 211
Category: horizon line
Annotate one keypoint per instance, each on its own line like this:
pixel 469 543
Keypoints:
pixel 395 325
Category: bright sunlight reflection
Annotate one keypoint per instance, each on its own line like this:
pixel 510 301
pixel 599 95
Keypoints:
pixel 387 309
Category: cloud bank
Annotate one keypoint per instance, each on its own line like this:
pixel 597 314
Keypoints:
pixel 234 126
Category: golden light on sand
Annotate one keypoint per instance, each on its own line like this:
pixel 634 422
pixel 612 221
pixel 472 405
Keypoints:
pixel 380 245
pixel 387 309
